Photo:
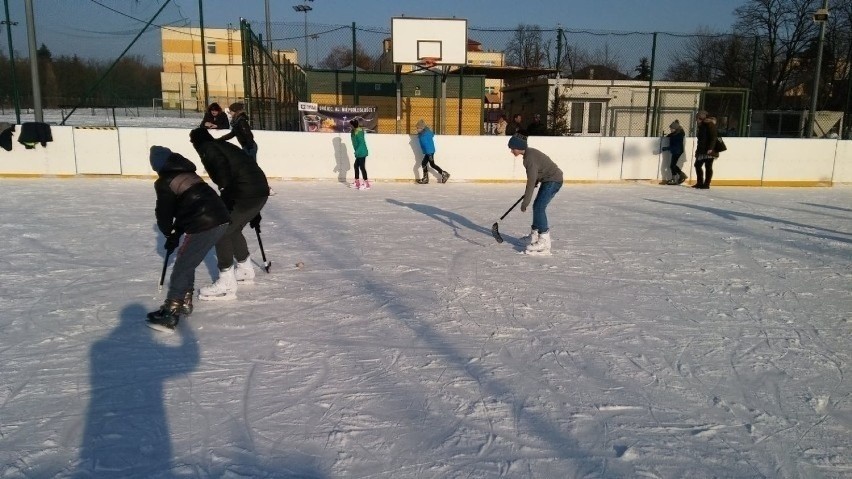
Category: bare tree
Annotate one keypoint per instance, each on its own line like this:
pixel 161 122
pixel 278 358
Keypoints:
pixel 526 47
pixel 787 27
pixel 341 56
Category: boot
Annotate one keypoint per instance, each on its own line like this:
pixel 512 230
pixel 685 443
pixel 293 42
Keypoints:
pixel 681 177
pixel 540 247
pixel 356 185
pixel 225 288
pixel 530 238
pixel 366 185
pixel 424 180
pixel 444 176
pixel 167 317
pixel 186 310
pixel 706 184
pixel 244 272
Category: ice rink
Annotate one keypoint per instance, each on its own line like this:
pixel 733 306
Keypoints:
pixel 674 333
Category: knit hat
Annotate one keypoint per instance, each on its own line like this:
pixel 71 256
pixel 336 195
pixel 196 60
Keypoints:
pixel 421 124
pixel 518 142
pixel 158 157
pixel 675 125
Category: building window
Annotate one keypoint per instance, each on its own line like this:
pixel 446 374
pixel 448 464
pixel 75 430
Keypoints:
pixel 193 91
pixel 595 110
pixel 578 111
pixel 211 47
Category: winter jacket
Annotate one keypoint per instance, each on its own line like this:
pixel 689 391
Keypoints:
pixel 427 141
pixel 236 174
pixel 707 136
pixel 675 143
pixel 540 168
pixel 241 129
pixel 33 132
pixel 220 120
pixel 359 143
pixel 185 203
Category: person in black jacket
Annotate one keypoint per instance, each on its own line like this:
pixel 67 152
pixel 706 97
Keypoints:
pixel 705 150
pixel 189 207
pixel 675 147
pixel 244 190
pixel 214 119
pixel 241 130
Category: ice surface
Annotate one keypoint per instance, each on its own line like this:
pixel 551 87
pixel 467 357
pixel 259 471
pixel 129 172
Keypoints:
pixel 673 333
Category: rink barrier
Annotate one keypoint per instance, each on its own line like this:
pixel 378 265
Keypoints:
pixel 294 156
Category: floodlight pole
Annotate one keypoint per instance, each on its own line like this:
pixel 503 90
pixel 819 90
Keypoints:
pixel 9 23
pixel 305 8
pixel 821 16
pixel 31 37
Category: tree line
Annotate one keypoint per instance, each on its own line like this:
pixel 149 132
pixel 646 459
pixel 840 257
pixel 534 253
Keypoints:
pixel 69 81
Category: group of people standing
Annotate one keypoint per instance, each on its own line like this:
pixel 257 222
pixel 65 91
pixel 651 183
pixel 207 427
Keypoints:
pixel 535 128
pixel 188 208
pixel 706 151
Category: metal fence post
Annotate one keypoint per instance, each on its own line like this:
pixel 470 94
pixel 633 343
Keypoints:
pixel 650 86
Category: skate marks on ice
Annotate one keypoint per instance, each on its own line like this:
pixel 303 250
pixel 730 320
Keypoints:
pixel 673 342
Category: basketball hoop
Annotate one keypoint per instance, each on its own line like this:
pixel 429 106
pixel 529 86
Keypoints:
pixel 428 62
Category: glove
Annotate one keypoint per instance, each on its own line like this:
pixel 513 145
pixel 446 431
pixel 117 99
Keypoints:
pixel 172 241
pixel 523 209
pixel 255 222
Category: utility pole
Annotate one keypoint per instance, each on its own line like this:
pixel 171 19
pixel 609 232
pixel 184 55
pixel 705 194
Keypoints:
pixel 9 23
pixel 203 55
pixel 31 36
pixel 821 16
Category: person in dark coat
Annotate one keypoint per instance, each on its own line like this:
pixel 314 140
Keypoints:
pixel 705 150
pixel 214 119
pixel 241 130
pixel 188 207
pixel 536 127
pixel 244 190
pixel 515 127
pixel 675 148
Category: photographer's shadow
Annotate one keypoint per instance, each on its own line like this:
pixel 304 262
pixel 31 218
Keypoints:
pixel 127 430
pixel 453 220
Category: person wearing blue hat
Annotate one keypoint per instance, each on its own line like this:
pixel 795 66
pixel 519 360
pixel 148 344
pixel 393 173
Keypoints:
pixel 188 207
pixel 542 172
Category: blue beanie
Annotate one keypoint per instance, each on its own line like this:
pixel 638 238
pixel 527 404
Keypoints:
pixel 158 157
pixel 518 142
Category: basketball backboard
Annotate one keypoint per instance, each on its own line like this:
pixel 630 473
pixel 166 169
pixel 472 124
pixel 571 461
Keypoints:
pixel 442 39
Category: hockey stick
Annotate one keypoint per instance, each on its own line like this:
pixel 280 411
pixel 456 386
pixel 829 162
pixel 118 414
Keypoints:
pixel 266 264
pixel 494 231
pixel 165 265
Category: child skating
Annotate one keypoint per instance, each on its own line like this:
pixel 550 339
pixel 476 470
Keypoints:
pixel 188 207
pixel 541 170
pixel 359 145
pixel 427 144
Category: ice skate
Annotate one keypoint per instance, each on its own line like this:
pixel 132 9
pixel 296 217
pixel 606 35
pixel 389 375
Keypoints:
pixel 244 272
pixel 540 247
pixel 444 176
pixel 167 317
pixel 366 185
pixel 530 238
pixel 424 180
pixel 224 289
pixel 356 185
pixel 186 308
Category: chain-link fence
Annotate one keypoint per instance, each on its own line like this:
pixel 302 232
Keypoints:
pixel 582 82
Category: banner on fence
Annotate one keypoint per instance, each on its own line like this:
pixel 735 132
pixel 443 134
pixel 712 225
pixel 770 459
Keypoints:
pixel 335 118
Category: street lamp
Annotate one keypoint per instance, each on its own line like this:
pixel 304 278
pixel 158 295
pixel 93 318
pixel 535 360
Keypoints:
pixel 305 8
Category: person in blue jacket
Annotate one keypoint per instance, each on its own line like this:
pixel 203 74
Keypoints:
pixel 676 149
pixel 427 144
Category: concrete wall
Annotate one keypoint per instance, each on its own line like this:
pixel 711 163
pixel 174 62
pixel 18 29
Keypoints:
pixel 328 156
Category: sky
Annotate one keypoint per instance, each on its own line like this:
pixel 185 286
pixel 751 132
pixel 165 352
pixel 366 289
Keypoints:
pixel 103 29
pixel 674 333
